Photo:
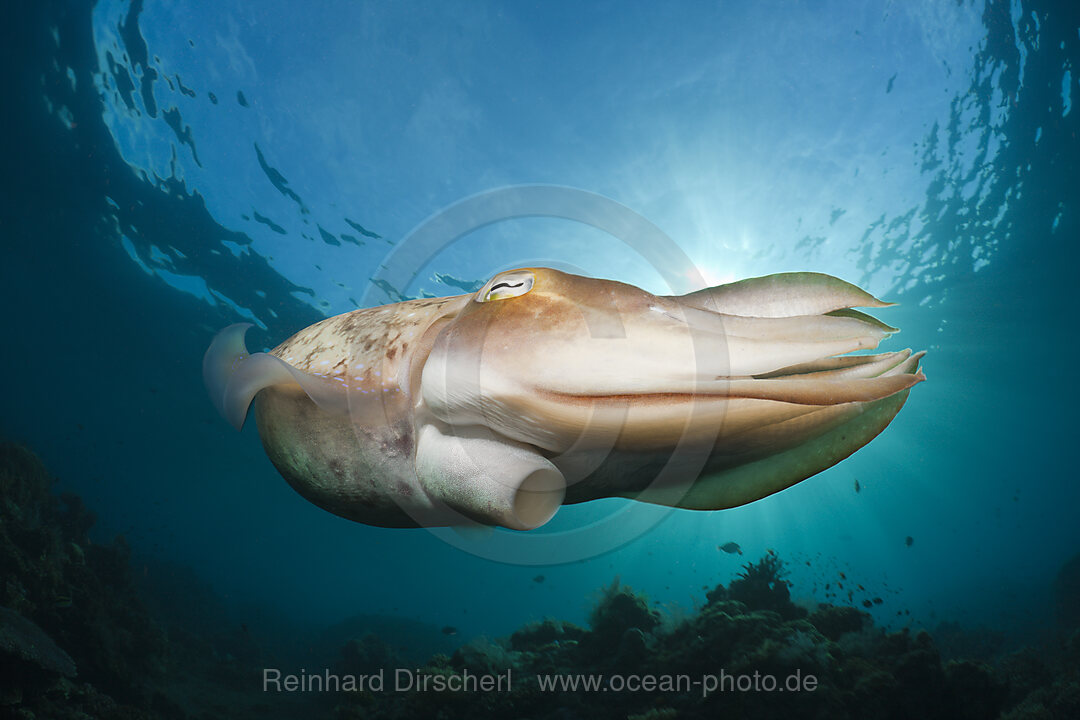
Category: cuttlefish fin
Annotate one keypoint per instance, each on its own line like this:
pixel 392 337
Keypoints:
pixel 783 295
pixel 233 377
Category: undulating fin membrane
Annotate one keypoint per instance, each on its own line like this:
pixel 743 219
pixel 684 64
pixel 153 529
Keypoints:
pixel 233 377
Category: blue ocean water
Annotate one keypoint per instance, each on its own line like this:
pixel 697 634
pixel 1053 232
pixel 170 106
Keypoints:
pixel 173 168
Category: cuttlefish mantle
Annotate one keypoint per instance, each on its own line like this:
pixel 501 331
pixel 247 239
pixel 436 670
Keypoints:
pixel 546 388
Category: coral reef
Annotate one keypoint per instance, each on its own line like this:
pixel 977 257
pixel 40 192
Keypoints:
pixel 761 585
pixel 842 666
pixel 26 644
pixel 76 594
pixel 545 635
pixel 1067 593
pixel 77 641
pixel 621 623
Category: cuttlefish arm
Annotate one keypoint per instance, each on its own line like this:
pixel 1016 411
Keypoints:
pixel 792 294
pixel 592 368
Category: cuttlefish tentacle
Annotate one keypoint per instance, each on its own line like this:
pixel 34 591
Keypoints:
pixel 845 366
pixel 545 387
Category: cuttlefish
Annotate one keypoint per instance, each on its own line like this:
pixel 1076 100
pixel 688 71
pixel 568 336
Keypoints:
pixel 545 388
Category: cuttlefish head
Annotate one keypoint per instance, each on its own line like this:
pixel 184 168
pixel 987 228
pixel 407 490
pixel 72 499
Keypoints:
pixel 749 375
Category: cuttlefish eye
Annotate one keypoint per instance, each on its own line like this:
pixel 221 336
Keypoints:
pixel 506 285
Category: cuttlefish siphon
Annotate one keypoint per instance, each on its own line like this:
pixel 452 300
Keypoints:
pixel 545 388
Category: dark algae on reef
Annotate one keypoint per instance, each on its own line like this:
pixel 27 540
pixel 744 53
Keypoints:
pixel 77 641
pixel 73 635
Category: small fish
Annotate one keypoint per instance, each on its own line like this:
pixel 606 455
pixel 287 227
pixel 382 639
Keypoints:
pixel 909 541
pixel 731 548
pixel 539 579
pixel 878 601
pixel 63 601
pixel 857 486
pixel 449 630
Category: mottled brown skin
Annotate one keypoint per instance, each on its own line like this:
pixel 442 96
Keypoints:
pixel 350 470
pixel 374 344
pixel 354 469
